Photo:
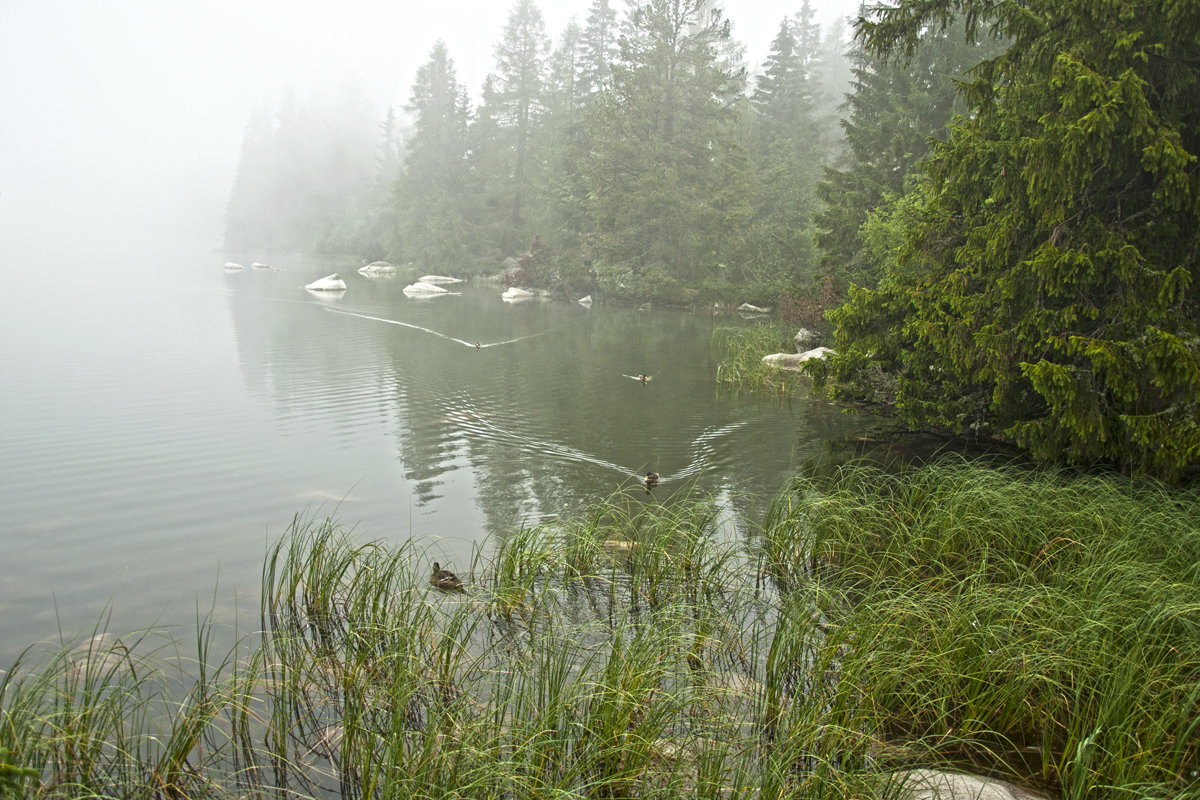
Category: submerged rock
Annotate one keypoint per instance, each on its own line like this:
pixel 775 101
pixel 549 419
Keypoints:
pixel 423 289
pixel 330 283
pixel 377 268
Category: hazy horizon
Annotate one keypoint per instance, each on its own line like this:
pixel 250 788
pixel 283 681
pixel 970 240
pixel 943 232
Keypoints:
pixel 130 113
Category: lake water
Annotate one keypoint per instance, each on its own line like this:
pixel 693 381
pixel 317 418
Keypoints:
pixel 162 421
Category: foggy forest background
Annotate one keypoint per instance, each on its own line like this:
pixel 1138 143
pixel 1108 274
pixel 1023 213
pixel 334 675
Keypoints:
pixel 636 151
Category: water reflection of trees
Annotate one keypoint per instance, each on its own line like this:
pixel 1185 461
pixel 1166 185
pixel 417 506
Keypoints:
pixel 543 425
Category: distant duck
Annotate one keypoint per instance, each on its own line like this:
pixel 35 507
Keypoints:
pixel 445 580
pixel 651 479
pixel 643 377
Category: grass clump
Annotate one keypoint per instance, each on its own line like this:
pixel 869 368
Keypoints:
pixel 1026 623
pixel 740 352
pixel 1023 625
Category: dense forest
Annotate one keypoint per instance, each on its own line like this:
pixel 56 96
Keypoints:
pixel 637 147
pixel 991 206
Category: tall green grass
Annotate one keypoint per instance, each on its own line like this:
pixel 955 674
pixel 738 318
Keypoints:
pixel 1028 626
pixel 740 351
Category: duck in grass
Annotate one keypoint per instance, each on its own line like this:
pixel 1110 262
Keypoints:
pixel 445 580
pixel 651 479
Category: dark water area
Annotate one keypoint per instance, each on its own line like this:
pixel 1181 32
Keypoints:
pixel 163 419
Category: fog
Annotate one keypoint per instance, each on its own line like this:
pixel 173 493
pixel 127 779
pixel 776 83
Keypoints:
pixel 124 117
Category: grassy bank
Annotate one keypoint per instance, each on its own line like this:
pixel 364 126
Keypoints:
pixel 1028 626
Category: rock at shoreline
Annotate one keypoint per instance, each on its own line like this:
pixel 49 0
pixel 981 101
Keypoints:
pixel 929 784
pixel 437 280
pixel 746 308
pixel 792 361
pixel 513 294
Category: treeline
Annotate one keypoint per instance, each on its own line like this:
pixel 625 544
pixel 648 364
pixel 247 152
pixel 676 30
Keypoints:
pixel 638 148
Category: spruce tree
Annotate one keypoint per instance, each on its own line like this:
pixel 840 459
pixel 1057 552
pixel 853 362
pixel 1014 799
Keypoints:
pixel 600 47
pixel 429 196
pixel 788 149
pixel 1048 294
pixel 665 173
pixel 518 105
pixel 895 109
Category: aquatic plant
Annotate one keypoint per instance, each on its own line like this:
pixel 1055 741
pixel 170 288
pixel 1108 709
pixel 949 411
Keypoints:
pixel 740 351
pixel 1034 626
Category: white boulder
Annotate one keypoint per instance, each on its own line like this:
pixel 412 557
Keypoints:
pixel 806 339
pixel 233 266
pixel 929 784
pixel 330 283
pixel 792 361
pixel 746 308
pixel 817 352
pixel 513 293
pixel 423 289
pixel 585 301
pixel 437 280
pixel 377 268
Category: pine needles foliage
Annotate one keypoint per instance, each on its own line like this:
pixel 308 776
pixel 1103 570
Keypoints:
pixel 1047 294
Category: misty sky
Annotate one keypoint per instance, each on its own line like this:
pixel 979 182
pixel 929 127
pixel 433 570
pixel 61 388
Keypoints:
pixel 132 110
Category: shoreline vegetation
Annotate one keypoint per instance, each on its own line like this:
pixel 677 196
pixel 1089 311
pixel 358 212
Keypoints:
pixel 1028 625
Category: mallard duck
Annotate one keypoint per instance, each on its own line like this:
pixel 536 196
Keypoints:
pixel 651 479
pixel 445 580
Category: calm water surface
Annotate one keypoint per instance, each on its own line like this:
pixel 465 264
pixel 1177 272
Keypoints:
pixel 162 421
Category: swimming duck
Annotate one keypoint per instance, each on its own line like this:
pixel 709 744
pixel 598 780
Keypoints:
pixel 651 479
pixel 445 580
pixel 643 377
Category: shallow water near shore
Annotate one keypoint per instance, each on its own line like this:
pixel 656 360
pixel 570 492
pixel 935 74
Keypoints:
pixel 164 419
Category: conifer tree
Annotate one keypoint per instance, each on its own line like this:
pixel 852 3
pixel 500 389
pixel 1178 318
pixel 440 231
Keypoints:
pixel 517 104
pixel 1049 292
pixel 600 47
pixel 248 224
pixel 788 150
pixel 895 109
pixel 564 138
pixel 429 197
pixel 665 172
